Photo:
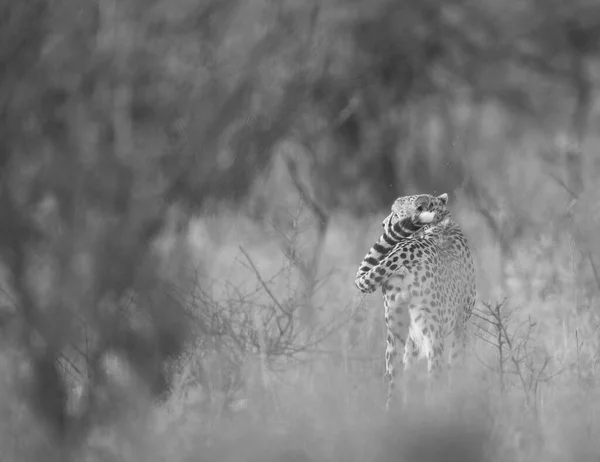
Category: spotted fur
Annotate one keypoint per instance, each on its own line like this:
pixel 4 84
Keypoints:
pixel 428 284
pixel 409 215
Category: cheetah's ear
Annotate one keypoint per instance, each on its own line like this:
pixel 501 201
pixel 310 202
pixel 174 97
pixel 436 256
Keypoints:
pixel 443 198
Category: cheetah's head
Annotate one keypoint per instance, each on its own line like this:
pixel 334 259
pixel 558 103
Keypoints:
pixel 429 208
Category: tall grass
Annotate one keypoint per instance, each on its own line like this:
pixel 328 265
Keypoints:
pixel 529 391
pixel 535 399
pixel 530 396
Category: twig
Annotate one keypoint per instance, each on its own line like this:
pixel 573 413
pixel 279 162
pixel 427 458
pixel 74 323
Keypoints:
pixel 562 183
pixel 262 282
pixel 310 201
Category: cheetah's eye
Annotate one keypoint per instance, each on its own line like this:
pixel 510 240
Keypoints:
pixel 422 206
pixel 422 203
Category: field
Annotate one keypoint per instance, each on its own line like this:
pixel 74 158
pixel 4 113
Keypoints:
pixel 536 403
pixel 316 392
pixel 535 398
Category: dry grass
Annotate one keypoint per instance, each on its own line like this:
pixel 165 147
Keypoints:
pixel 329 408
pixel 529 392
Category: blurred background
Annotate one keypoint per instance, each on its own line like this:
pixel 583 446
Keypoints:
pixel 188 187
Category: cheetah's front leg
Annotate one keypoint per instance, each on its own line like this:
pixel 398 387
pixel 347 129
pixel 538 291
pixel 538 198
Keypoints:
pixel 411 354
pixel 397 320
pixel 435 361
pixel 390 372
pixel 456 358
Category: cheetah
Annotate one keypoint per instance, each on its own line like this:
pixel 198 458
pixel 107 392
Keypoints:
pixel 426 271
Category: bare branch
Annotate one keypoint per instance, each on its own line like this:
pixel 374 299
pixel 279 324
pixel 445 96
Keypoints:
pixel 263 283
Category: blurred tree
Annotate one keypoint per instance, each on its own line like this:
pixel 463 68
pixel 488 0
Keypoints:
pixel 77 227
pixel 412 66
